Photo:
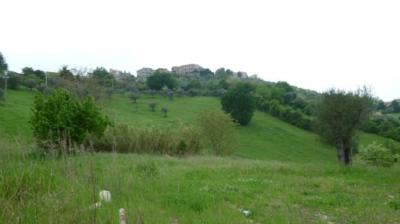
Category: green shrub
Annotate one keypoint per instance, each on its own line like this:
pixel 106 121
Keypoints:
pixel 152 107
pixel 60 120
pixel 377 155
pixel 218 130
pixel 171 141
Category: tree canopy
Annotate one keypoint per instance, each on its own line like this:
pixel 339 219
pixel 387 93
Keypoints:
pixel 240 103
pixel 159 79
pixel 339 114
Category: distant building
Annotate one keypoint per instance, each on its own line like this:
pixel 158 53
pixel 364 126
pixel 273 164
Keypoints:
pixel 144 73
pixel 186 69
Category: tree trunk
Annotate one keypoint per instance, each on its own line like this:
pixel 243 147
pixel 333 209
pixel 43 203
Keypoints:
pixel 344 152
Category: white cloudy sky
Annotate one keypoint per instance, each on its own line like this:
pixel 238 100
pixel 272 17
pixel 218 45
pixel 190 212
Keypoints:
pixel 312 44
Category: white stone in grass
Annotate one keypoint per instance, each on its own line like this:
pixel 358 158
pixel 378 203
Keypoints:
pixel 246 213
pixel 105 196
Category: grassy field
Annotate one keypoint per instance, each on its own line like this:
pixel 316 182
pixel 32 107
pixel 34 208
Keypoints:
pixel 280 173
pixel 198 189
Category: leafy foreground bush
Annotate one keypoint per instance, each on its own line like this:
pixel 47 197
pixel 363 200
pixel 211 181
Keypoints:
pixel 218 130
pixel 122 139
pixel 61 120
pixel 377 155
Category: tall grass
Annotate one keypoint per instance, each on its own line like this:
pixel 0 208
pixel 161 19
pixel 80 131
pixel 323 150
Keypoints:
pixel 181 140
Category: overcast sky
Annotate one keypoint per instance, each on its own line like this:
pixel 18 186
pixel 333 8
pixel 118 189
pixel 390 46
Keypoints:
pixel 312 44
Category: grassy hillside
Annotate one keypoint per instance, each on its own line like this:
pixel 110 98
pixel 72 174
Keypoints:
pixel 280 173
pixel 265 137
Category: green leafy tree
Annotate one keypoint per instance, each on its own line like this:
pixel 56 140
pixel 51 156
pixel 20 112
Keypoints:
pixel 218 131
pixel 395 105
pixel 3 64
pixel 27 71
pixel 102 77
pixel 240 103
pixel 159 79
pixel 60 120
pixel 65 73
pixel 339 114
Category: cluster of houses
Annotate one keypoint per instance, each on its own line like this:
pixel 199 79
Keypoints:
pixel 188 69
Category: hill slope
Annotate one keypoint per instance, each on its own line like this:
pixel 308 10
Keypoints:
pixel 265 138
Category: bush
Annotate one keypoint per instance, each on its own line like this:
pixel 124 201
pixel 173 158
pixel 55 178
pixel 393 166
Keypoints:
pixel 152 107
pixel 240 103
pixel 377 155
pixel 218 130
pixel 122 139
pixel 61 120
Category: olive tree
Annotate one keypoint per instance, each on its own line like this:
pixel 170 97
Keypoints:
pixel 339 114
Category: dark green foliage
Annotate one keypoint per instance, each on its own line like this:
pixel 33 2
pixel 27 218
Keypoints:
pixel 65 73
pixel 102 77
pixel 223 73
pixel 152 107
pixel 164 111
pixel 395 106
pixel 27 71
pixel 40 74
pixel 14 80
pixel 181 148
pixel 383 125
pixel 206 73
pixel 61 120
pixel 240 103
pixel 3 64
pixel 159 79
pixel 285 113
pixel 339 114
pixel 223 84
